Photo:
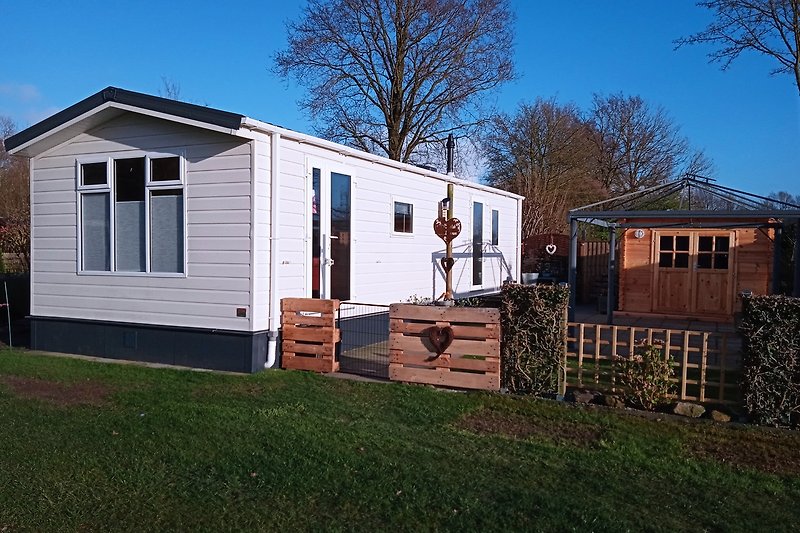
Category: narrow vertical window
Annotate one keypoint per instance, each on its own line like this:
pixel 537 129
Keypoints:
pixel 403 217
pixel 495 227
pixel 166 230
pixel 129 218
pixel 477 243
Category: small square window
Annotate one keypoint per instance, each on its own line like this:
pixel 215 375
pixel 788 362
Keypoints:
pixel 665 260
pixel 403 217
pixel 705 244
pixel 681 260
pixel 665 243
pixel 722 244
pixel 704 261
pixel 721 261
pixel 94 174
pixel 682 243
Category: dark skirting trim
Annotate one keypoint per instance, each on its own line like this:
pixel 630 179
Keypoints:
pixel 234 351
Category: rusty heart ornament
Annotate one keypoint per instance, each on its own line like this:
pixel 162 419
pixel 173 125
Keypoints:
pixel 441 338
pixel 447 229
pixel 447 263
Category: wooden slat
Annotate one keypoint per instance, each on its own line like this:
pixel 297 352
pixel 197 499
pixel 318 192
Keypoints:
pixel 487 347
pixel 300 347
pixel 311 305
pixel 474 315
pixel 581 338
pixel 444 377
pixel 292 318
pixel 490 331
pixel 311 334
pixel 490 364
pixel 313 364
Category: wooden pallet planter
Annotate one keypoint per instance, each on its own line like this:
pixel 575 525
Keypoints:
pixel 309 334
pixel 472 360
pixel 707 365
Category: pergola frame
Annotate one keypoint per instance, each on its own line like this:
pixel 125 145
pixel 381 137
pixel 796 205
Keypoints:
pixel 744 210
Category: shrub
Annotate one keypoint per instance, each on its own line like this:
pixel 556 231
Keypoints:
pixel 770 330
pixel 533 322
pixel 647 376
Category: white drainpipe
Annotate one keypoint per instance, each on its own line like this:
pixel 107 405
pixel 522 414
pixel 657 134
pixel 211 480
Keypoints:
pixel 274 229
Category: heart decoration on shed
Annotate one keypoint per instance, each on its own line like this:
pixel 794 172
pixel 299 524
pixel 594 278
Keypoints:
pixel 441 337
pixel 447 263
pixel 447 230
pixel 550 249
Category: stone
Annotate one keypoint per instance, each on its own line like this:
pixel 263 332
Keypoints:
pixel 692 410
pixel 719 416
pixel 611 400
pixel 585 396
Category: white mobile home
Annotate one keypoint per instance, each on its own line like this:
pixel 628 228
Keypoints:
pixel 165 231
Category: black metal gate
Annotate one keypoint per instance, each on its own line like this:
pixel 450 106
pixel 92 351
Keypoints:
pixel 364 348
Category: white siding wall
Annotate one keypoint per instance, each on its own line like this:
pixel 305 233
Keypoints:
pixel 261 232
pixel 386 266
pixel 218 196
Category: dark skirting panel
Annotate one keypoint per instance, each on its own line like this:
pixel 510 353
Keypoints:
pixel 234 351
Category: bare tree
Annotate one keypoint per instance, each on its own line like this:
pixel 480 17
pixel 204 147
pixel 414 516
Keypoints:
pixel 770 27
pixel 15 233
pixel 170 89
pixel 637 146
pixel 545 153
pixel 391 76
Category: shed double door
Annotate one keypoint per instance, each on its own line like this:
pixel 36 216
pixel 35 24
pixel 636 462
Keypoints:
pixel 693 272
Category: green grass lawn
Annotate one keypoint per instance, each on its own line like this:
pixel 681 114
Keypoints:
pixel 94 447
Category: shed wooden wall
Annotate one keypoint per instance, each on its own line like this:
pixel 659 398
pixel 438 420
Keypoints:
pixel 751 261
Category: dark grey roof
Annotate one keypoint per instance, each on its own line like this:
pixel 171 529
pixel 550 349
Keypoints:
pixel 203 114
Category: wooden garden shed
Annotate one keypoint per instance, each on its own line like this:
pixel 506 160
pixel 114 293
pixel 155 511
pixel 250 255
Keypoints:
pixel 693 261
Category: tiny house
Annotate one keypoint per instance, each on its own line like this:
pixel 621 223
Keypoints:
pixel 165 231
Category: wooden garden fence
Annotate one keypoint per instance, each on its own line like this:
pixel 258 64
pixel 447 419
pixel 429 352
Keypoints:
pixel 707 364
pixel 471 359
pixel 309 334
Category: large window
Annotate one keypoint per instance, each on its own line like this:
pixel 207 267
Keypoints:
pixel 131 214
pixel 403 217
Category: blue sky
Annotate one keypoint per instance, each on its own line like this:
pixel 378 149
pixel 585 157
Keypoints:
pixel 748 122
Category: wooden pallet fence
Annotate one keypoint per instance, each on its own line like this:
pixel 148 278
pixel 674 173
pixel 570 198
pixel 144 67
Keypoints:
pixel 472 361
pixel 309 334
pixel 707 364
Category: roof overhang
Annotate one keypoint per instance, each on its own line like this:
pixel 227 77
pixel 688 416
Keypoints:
pixel 108 104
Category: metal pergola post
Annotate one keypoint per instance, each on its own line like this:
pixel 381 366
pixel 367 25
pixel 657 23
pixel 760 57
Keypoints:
pixel 796 289
pixel 573 266
pixel 612 272
pixel 777 250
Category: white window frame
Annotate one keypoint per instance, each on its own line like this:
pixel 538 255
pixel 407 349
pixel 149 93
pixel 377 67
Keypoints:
pixel 491 224
pixel 110 188
pixel 393 232
pixel 473 201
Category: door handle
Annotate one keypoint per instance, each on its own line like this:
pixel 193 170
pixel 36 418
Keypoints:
pixel 329 262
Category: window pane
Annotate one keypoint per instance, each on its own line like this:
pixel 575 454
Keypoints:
pixel 665 242
pixel 165 169
pixel 721 261
pixel 681 260
pixel 96 232
pixel 130 179
pixel 166 231
pixel 682 243
pixel 403 216
pixel 340 228
pixel 703 260
pixel 705 244
pixel 94 174
pixel 129 224
pixel 722 244
pixel 665 260
pixel 495 227
pixel 477 243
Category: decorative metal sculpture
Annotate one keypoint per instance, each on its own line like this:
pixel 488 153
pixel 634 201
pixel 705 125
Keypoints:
pixel 447 228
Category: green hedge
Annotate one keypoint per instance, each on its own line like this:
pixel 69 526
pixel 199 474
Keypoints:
pixel 533 335
pixel 770 331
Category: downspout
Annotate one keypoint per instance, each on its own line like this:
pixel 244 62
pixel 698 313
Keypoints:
pixel 274 230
